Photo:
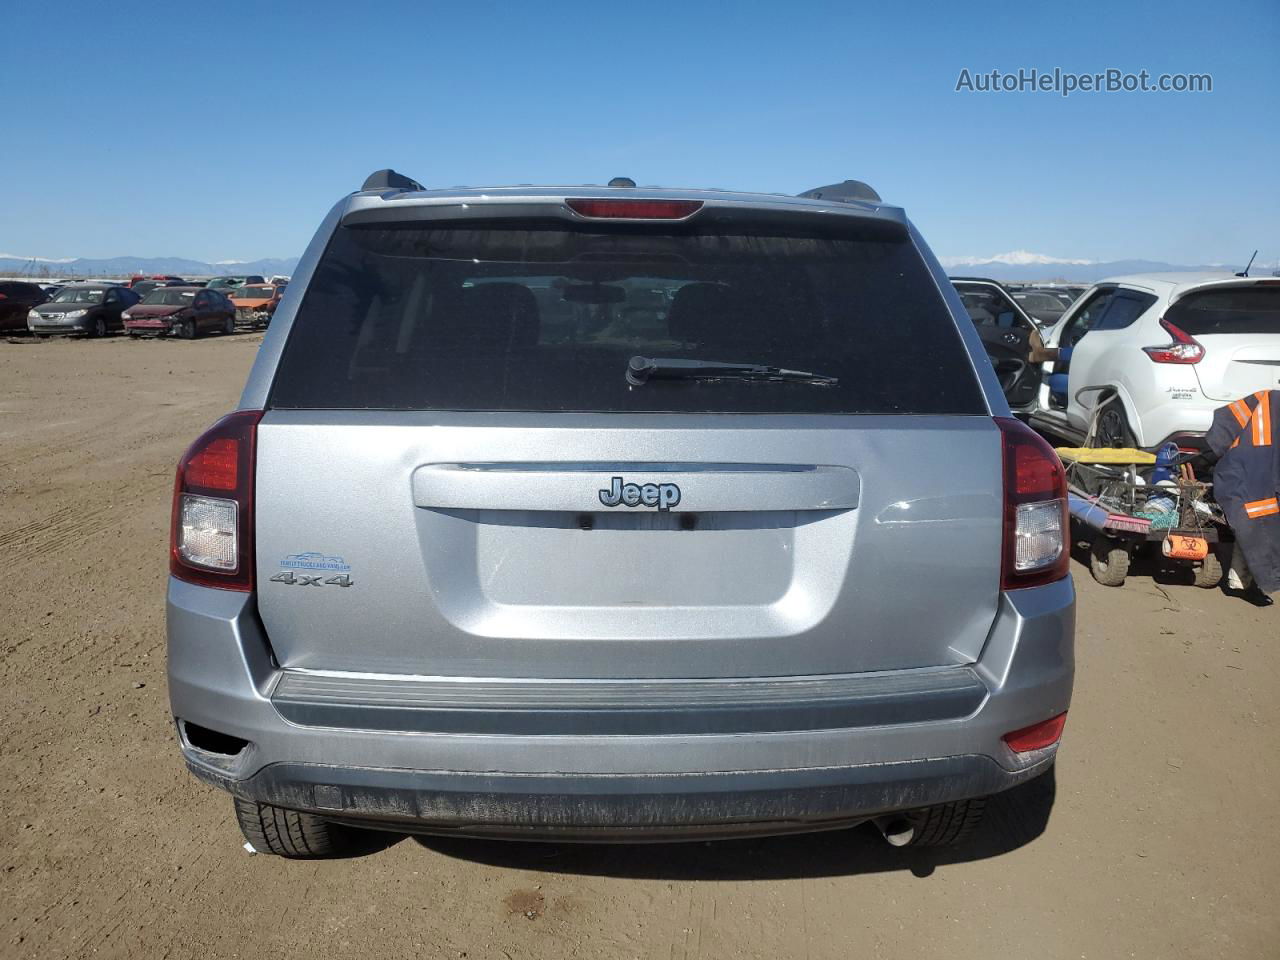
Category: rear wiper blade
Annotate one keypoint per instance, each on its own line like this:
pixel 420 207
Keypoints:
pixel 641 370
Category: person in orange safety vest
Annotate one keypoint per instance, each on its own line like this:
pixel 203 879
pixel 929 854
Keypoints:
pixel 1245 436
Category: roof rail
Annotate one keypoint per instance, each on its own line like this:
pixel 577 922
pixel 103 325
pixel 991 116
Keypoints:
pixel 390 180
pixel 848 190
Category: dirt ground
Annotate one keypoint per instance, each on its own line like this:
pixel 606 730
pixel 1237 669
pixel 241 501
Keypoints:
pixel 1164 840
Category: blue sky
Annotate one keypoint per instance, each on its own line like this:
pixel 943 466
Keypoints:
pixel 226 131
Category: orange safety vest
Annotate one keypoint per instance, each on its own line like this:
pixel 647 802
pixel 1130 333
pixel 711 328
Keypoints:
pixel 1246 479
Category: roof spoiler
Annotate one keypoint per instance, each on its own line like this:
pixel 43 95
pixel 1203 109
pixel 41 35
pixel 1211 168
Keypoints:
pixel 388 179
pixel 844 192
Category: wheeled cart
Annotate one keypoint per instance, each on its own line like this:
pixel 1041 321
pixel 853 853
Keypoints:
pixel 1122 513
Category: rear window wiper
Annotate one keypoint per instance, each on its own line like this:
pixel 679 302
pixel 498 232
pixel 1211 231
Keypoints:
pixel 641 370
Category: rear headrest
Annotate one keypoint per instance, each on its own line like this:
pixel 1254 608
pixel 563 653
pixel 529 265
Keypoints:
pixel 490 318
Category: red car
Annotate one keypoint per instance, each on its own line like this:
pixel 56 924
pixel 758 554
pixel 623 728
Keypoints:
pixel 186 312
pixel 16 300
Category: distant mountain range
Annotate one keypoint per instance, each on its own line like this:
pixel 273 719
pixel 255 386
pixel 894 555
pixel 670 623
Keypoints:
pixel 11 265
pixel 1022 266
pixel 1016 266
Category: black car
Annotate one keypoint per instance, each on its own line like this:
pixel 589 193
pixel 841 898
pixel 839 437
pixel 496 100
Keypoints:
pixel 16 301
pixel 93 309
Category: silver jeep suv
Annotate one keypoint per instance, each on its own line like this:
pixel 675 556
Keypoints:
pixel 617 513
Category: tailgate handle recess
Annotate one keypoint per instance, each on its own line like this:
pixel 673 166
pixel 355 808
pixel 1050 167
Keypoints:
pixel 578 487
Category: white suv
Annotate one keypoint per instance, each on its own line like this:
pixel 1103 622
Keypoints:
pixel 1158 353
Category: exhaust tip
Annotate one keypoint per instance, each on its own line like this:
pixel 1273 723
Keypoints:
pixel 898 831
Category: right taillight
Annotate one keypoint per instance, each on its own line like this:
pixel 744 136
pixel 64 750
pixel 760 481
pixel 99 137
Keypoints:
pixel 1183 349
pixel 1035 509
pixel 211 538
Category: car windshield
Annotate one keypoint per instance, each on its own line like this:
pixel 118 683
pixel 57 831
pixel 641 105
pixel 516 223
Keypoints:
pixel 221 282
pixel 80 295
pixel 170 297
pixel 254 293
pixel 546 317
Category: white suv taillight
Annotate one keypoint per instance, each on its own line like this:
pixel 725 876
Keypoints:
pixel 211 539
pixel 1035 509
pixel 1184 348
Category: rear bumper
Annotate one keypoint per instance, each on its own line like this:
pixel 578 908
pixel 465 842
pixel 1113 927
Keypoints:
pixel 619 808
pixel 873 744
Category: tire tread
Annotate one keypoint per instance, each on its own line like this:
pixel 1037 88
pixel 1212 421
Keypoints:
pixel 948 823
pixel 288 833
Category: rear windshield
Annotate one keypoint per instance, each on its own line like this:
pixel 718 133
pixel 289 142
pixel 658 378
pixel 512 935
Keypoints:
pixel 1235 310
pixel 545 317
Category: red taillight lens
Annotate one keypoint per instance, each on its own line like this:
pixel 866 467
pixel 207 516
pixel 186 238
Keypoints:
pixel 1035 509
pixel 1037 736
pixel 216 466
pixel 211 537
pixel 1184 348
pixel 635 209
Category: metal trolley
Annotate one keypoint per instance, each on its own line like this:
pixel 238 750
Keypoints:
pixel 1109 497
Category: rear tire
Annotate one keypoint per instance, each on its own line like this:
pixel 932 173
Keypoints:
pixel 1113 427
pixel 1209 573
pixel 946 824
pixel 288 833
pixel 1109 562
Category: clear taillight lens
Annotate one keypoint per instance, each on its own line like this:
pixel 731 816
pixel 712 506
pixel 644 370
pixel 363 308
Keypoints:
pixel 207 532
pixel 1038 535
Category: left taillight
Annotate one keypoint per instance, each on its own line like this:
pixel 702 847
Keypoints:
pixel 211 536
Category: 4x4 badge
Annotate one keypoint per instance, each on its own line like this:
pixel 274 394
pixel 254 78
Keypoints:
pixel 664 496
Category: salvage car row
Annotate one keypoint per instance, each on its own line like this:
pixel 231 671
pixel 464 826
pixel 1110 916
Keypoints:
pixel 159 306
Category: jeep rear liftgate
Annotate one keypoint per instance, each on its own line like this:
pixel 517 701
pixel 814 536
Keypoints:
pixel 450 545
pixel 556 448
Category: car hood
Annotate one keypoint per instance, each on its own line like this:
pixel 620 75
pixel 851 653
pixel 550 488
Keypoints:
pixel 251 301
pixel 138 311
